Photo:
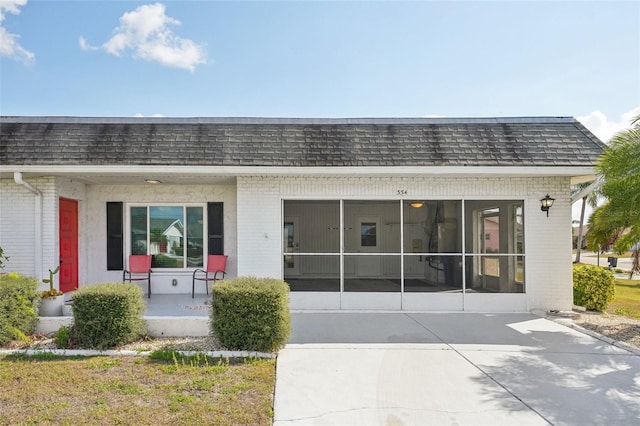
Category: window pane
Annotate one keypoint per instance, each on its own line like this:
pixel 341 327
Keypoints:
pixel 166 236
pixel 138 230
pixel 312 273
pixel 371 226
pixel 311 226
pixel 432 273
pixel 368 233
pixel 495 274
pixel 494 226
pixel 372 273
pixel 195 241
pixel 432 226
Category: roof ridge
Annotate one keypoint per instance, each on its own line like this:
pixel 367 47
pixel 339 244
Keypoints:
pixel 285 120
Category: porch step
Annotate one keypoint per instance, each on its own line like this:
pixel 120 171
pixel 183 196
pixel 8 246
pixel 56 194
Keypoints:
pixel 157 326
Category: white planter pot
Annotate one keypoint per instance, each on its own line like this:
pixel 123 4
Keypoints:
pixel 67 310
pixel 51 307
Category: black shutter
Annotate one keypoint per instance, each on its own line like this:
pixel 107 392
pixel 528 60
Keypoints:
pixel 115 247
pixel 215 225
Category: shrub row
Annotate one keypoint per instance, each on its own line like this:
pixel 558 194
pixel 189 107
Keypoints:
pixel 18 301
pixel 251 313
pixel 248 313
pixel 593 287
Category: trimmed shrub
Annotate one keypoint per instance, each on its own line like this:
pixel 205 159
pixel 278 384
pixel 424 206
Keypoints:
pixel 251 313
pixel 593 287
pixel 18 300
pixel 107 315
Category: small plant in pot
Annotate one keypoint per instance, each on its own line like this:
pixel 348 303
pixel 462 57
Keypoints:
pixel 52 300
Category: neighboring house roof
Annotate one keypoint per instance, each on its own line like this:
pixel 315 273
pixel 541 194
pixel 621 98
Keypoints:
pixel 71 141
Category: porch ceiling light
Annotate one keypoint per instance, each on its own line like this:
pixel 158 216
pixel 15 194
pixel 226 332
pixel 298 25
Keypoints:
pixel 546 203
pixel 153 181
pixel 417 204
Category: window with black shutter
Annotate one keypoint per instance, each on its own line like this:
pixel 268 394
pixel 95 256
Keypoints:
pixel 115 246
pixel 215 222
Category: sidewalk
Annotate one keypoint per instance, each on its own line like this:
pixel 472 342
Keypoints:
pixel 464 369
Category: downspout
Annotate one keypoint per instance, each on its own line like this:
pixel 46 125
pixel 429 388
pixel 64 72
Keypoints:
pixel 17 177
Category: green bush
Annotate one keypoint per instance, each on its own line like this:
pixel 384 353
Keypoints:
pixel 63 337
pixel 593 287
pixel 107 315
pixel 251 313
pixel 18 300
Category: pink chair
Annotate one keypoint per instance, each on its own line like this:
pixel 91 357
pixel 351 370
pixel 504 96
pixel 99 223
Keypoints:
pixel 139 270
pixel 216 264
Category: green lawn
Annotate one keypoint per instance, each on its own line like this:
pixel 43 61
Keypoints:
pixel 627 299
pixel 158 390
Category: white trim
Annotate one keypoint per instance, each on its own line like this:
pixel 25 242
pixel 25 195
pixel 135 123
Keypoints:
pixel 366 171
pixel 588 190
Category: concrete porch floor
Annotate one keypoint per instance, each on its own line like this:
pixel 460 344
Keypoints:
pixel 177 305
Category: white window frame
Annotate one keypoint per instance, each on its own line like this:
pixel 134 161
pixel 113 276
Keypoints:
pixel 205 231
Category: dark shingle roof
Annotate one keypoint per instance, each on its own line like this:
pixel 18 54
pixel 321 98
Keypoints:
pixel 296 142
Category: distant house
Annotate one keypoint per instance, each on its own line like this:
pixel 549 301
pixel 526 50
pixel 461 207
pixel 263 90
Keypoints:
pixel 392 214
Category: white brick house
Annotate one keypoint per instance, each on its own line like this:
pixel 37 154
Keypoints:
pixel 412 214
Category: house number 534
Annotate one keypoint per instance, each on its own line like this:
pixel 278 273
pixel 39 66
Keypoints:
pixel 402 192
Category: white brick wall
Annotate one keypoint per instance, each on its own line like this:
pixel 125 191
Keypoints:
pixel 547 240
pixel 17 232
pixel 17 225
pixel 260 228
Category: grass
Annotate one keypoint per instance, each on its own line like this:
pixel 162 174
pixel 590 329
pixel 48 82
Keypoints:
pixel 161 389
pixel 627 299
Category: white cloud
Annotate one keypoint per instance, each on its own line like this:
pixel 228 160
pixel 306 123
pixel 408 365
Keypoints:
pixel 84 45
pixel 146 32
pixel 11 6
pixel 604 128
pixel 9 45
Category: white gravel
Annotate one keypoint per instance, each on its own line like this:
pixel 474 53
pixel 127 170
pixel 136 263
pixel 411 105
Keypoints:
pixel 616 327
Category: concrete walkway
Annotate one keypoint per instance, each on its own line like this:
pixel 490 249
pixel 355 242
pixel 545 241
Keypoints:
pixel 451 369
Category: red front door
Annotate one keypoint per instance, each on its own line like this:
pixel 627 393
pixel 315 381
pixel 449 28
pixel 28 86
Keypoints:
pixel 68 245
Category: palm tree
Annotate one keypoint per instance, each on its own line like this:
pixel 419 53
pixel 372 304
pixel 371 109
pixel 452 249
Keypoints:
pixel 619 166
pixel 592 200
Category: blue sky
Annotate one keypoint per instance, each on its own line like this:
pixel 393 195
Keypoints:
pixel 322 59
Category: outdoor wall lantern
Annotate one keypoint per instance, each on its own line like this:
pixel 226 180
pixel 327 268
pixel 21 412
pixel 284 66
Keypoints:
pixel 417 204
pixel 546 204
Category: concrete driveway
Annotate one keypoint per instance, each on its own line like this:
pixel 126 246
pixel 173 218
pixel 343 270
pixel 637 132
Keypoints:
pixel 451 369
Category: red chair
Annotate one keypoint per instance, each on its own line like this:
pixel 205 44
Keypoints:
pixel 139 270
pixel 216 264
